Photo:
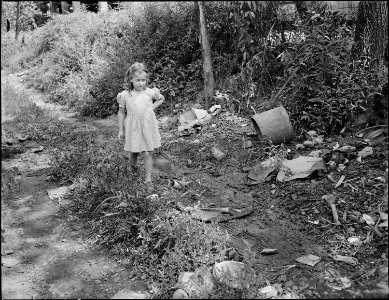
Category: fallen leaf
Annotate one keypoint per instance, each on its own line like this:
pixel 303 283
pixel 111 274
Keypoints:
pixel 310 260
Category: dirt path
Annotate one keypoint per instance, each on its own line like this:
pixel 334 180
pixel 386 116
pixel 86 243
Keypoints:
pixel 43 255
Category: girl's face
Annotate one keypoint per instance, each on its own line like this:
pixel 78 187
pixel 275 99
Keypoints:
pixel 139 80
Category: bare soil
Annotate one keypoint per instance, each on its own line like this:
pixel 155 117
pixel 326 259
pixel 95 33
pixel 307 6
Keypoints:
pixel 49 258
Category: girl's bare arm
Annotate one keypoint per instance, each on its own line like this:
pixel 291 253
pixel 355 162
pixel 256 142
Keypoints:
pixel 158 102
pixel 121 119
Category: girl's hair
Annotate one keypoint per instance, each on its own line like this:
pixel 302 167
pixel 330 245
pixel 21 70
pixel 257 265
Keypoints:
pixel 136 67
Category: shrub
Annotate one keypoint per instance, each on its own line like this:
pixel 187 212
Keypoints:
pixel 328 88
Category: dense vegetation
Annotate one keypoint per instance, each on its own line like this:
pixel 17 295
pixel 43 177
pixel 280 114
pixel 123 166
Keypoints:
pixel 79 59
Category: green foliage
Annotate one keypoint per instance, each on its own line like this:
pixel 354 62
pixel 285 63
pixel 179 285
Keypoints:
pixel 26 19
pixel 329 88
pixel 80 59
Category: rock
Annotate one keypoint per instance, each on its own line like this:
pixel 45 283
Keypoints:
pixel 9 262
pixel 136 290
pixel 268 292
pixel 218 154
pixel 180 294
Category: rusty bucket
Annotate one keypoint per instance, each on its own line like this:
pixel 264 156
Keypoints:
pixel 274 124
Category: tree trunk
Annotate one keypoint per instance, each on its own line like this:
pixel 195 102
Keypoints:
pixel 371 31
pixel 17 25
pixel 209 83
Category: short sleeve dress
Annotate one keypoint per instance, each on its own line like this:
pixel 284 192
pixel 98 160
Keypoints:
pixel 141 127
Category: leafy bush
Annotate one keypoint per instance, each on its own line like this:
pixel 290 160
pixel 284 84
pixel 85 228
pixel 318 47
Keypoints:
pixel 329 88
pixel 80 59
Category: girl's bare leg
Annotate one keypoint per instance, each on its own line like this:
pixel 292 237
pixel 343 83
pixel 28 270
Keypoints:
pixel 148 156
pixel 133 159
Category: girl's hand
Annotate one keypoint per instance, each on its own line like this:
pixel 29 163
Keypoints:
pixel 121 135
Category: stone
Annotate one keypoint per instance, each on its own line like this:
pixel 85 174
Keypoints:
pixel 9 262
pixel 136 290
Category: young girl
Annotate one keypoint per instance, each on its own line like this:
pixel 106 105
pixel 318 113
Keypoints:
pixel 139 129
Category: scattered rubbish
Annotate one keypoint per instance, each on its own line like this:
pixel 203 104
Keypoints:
pixel 221 214
pixel 316 139
pixel 274 124
pixel 309 144
pixel 346 259
pixel 310 259
pixel 300 146
pixel 335 281
pixel 193 117
pixel 359 159
pixel 218 154
pixel 336 147
pixel 374 134
pixel 365 152
pixel 330 199
pixel 383 216
pixel 347 148
pixel 232 273
pixel 268 292
pixel 384 224
pixel 369 220
pixel 247 144
pixel 300 167
pixel 341 179
pixel 268 251
pixel 215 109
pixel 260 172
pixel 355 241
pixel 198 284
pixel 316 153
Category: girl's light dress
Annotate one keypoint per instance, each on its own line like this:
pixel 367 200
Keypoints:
pixel 141 127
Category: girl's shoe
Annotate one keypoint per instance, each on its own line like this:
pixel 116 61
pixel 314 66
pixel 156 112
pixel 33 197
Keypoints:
pixel 149 187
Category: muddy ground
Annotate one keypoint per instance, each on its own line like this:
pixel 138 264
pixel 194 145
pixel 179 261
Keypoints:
pixel 44 256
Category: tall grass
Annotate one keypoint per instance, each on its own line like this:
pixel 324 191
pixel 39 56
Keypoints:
pixel 11 100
